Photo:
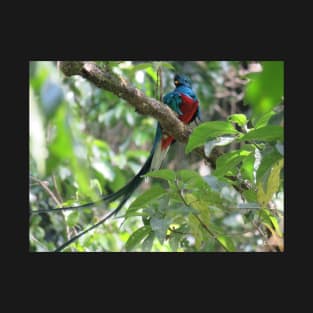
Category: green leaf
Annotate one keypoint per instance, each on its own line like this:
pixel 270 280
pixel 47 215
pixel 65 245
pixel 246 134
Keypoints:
pixel 200 205
pixel 227 243
pixel 148 242
pixel 167 65
pixel 141 66
pixel 72 218
pixel 250 195
pixel 153 193
pixel 219 141
pixel 136 237
pixel 163 174
pixel 205 131
pixel 160 226
pixel 262 120
pixel 190 178
pixel 266 133
pixel 267 162
pixel 247 167
pixel 239 119
pixel 270 220
pixel 174 241
pixel 152 73
pixel 265 195
pixel 229 160
pixel 196 230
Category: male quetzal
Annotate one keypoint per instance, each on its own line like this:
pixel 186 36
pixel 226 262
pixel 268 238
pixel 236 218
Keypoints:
pixel 181 100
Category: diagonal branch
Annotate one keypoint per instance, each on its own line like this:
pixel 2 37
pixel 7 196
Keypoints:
pixel 104 78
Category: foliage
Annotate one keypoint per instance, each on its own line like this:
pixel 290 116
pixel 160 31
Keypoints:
pixel 85 142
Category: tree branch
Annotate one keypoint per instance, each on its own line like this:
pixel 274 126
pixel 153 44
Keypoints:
pixel 104 78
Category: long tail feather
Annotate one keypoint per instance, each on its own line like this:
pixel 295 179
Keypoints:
pixel 158 156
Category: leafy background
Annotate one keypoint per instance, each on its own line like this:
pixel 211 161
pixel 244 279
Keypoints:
pixel 85 142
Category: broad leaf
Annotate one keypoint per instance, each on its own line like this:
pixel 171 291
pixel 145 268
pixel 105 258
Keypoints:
pixel 239 119
pixel 73 218
pixel 200 205
pixel 262 120
pixel 247 167
pixel 205 131
pixel 250 195
pixel 163 174
pixel 136 237
pixel 267 162
pixel 167 65
pixel 266 133
pixel 265 195
pixel 141 66
pixel 196 230
pixel 227 243
pixel 160 226
pixel 153 193
pixel 229 160
pixel 148 242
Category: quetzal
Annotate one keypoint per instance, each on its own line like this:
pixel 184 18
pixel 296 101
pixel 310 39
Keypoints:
pixel 181 100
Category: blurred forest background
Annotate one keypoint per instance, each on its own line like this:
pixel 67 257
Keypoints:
pixel 86 142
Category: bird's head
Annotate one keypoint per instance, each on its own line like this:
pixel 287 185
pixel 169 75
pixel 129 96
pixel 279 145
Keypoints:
pixel 182 80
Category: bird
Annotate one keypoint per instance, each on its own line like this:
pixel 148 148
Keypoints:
pixel 184 102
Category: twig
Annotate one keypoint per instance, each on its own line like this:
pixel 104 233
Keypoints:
pixel 56 189
pixel 44 186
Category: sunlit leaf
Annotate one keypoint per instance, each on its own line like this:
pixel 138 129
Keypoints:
pixel 239 119
pixel 142 66
pixel 163 174
pixel 267 162
pixel 227 243
pixel 262 120
pixel 266 133
pixel 273 182
pixel 247 167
